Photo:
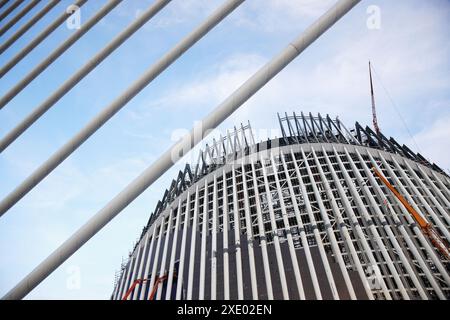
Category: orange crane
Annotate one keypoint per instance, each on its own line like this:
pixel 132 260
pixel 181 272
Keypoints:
pixel 158 280
pixel 135 283
pixel 155 286
pixel 425 226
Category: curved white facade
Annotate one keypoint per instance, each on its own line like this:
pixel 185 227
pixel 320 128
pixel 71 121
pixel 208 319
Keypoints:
pixel 300 217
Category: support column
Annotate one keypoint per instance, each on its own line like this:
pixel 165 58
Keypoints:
pixel 395 242
pixel 354 221
pixel 323 212
pixel 237 237
pixel 142 288
pixel 370 222
pixel 287 229
pixel 192 251
pixel 214 242
pixel 276 240
pixel 343 227
pixel 262 236
pixel 205 231
pixel 249 234
pixel 173 253
pixel 421 239
pixel 183 247
pixel 317 237
pixel 226 265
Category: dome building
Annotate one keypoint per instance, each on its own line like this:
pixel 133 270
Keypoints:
pixel 303 216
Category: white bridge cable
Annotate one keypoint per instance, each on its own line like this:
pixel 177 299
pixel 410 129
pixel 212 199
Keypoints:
pixel 38 39
pixel 22 30
pixel 166 161
pixel 81 73
pixel 18 16
pixel 10 9
pixel 103 116
pixel 111 4
pixel 3 3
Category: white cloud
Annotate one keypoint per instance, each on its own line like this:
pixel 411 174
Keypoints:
pixel 434 142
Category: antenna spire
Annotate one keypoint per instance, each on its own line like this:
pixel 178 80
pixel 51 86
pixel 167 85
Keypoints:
pixel 374 113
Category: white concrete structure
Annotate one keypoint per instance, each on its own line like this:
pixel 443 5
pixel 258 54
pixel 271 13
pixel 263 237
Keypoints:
pixel 299 217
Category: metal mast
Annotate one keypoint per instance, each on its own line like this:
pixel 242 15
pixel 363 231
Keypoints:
pixel 374 112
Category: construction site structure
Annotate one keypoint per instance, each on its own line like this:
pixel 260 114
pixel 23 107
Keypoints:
pixel 302 216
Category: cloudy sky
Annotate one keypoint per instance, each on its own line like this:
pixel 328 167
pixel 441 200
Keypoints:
pixel 410 52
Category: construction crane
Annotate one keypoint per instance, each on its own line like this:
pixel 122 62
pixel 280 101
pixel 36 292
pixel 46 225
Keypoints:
pixel 374 113
pixel 426 227
pixel 158 280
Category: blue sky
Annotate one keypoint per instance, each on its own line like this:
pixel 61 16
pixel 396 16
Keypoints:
pixel 410 53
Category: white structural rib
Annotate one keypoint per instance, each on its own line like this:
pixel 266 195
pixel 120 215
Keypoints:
pixel 343 226
pixel 137 262
pixel 173 252
pixel 287 229
pixel 162 268
pixel 438 224
pixel 432 252
pixel 320 246
pixel 183 249
pixel 324 215
pixel 370 224
pixel 153 277
pixel 214 242
pixel 410 221
pixel 226 263
pixel 237 237
pixel 166 161
pixel 262 236
pixel 249 234
pixel 204 234
pixel 141 288
pixel 144 259
pixel 303 239
pixel 388 228
pixel 276 238
pixel 190 282
pixel 353 219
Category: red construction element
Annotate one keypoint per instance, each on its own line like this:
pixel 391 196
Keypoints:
pixel 135 283
pixel 158 281
pixel 156 285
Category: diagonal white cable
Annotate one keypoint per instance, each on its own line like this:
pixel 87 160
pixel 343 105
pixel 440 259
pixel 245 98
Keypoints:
pixel 142 182
pixel 81 73
pixel 111 4
pixel 38 39
pixel 3 3
pixel 98 121
pixel 10 9
pixel 23 29
pixel 18 16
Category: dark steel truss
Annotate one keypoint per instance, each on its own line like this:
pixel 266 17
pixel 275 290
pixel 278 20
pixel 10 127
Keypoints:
pixel 295 129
